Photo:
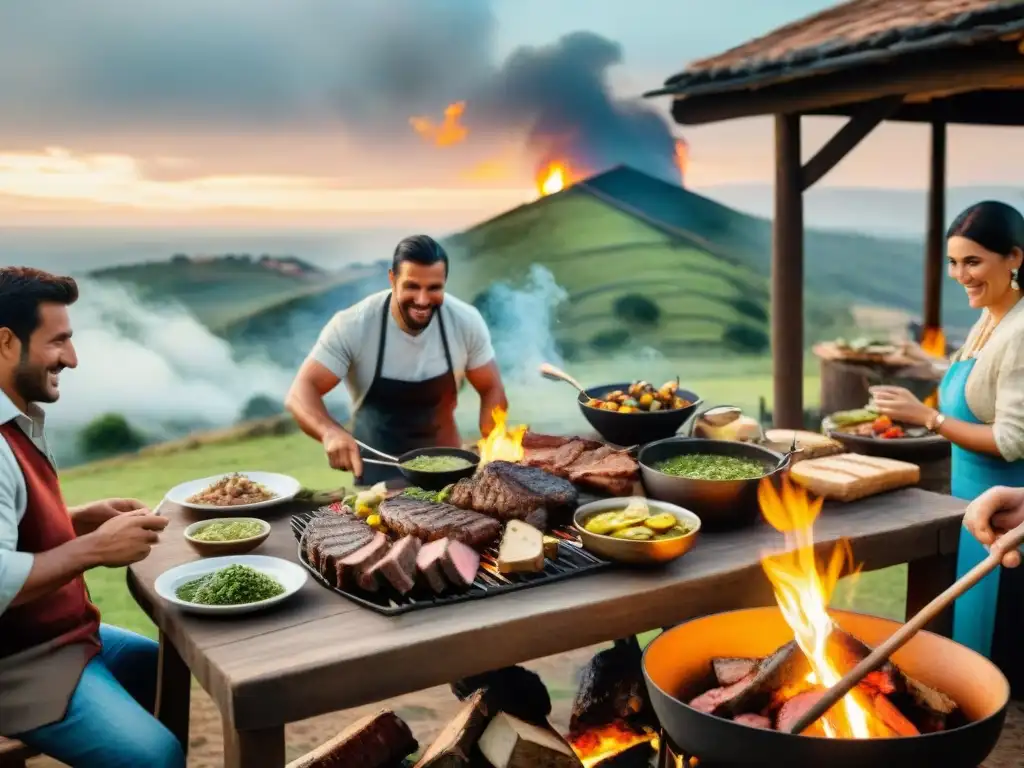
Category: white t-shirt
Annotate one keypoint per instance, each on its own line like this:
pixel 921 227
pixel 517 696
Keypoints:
pixel 348 344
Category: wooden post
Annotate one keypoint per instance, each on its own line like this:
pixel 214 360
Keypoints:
pixel 935 247
pixel 787 307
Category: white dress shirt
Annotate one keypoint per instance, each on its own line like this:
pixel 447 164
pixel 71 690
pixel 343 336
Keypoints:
pixel 14 565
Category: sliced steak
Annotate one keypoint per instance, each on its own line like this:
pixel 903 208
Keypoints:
pixel 399 565
pixel 428 521
pixel 428 563
pixel 460 564
pixel 342 533
pixel 585 462
pixel 355 568
pixel 510 491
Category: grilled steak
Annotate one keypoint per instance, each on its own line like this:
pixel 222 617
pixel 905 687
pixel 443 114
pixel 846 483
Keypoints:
pixel 585 462
pixel 337 535
pixel 355 569
pixel 460 564
pixel 428 562
pixel 399 565
pixel 510 491
pixel 429 521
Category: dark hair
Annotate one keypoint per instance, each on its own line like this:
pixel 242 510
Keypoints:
pixel 22 290
pixel 995 226
pixel 419 249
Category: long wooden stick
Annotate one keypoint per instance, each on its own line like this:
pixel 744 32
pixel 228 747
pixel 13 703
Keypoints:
pixel 1008 541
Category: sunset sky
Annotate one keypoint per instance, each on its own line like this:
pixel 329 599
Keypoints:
pixel 198 112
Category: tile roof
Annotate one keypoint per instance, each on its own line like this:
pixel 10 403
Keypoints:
pixel 853 31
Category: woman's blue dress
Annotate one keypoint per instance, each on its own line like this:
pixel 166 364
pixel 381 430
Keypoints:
pixel 974 614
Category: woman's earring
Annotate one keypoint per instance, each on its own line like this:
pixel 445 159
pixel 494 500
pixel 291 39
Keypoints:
pixel 1013 280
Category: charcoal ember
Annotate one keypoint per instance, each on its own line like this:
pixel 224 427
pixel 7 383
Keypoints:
pixel 612 688
pixel 797 707
pixel 636 756
pixel 754 720
pixel 514 690
pixel 732 669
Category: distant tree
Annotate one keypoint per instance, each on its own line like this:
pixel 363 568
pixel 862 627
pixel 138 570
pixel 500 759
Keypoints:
pixel 634 308
pixel 108 435
pixel 179 258
pixel 745 339
pixel 751 308
pixel 609 341
pixel 568 349
pixel 261 407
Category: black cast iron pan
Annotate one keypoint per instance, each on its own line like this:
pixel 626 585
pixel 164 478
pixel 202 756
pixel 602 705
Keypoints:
pixel 430 481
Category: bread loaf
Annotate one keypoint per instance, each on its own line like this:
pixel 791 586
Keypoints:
pixel 851 476
pixel 812 445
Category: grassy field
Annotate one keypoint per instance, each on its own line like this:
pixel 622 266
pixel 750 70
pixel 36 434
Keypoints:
pixel 148 478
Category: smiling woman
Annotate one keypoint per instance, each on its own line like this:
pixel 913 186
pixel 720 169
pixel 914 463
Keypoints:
pixel 981 402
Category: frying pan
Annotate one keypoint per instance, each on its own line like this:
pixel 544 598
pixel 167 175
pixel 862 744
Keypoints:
pixel 677 666
pixel 429 481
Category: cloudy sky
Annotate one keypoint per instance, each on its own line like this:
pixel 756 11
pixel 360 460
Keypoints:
pixel 214 111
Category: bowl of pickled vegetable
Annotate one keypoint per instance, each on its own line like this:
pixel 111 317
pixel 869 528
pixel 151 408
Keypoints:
pixel 636 412
pixel 636 530
pixel 227 535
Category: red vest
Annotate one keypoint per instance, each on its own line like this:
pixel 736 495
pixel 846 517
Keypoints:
pixel 65 615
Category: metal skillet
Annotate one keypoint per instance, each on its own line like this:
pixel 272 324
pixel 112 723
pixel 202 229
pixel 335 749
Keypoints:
pixel 430 481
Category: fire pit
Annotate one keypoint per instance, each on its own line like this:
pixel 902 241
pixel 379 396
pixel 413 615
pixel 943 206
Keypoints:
pixel 728 687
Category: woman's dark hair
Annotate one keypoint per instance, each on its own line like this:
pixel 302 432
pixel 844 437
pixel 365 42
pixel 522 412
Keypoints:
pixel 419 249
pixel 22 290
pixel 995 226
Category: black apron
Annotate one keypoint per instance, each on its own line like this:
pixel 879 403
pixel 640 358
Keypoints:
pixel 399 416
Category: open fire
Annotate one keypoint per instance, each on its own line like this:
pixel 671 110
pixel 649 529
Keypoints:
pixel 933 341
pixel 602 743
pixel 502 444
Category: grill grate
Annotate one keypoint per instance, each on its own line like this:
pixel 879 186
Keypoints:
pixel 572 560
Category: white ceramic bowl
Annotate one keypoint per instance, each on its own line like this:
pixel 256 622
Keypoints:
pixel 290 575
pixel 285 488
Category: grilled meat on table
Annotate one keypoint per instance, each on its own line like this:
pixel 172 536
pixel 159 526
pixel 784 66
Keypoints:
pixel 586 462
pixel 427 520
pixel 334 536
pixel 510 491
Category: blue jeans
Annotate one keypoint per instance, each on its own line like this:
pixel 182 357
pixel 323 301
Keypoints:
pixel 109 722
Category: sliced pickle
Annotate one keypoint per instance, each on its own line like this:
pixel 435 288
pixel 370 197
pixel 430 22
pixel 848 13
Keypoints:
pixel 661 522
pixel 635 533
pixel 673 533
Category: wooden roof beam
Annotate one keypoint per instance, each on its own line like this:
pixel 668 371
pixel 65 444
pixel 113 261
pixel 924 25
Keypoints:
pixel 846 139
pixel 951 73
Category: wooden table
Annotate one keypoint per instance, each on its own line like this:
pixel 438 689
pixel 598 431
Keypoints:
pixel 319 653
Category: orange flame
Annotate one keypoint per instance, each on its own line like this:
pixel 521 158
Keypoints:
pixel 803 591
pixel 682 158
pixel 450 131
pixel 597 744
pixel 933 341
pixel 553 177
pixel 502 444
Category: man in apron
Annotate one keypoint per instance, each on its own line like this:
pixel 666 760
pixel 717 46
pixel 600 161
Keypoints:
pixel 402 354
pixel 71 687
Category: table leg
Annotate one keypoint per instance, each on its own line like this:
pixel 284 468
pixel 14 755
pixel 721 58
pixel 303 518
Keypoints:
pixel 173 691
pixel 927 579
pixel 263 748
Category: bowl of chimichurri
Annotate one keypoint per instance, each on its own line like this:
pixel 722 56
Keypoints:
pixel 227 535
pixel 717 479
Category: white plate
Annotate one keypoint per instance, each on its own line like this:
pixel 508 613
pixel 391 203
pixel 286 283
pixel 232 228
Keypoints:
pixel 289 575
pixel 284 486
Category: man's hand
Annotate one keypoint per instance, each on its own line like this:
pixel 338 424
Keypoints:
pixel 126 538
pixel 342 451
pixel 993 513
pixel 900 404
pixel 88 518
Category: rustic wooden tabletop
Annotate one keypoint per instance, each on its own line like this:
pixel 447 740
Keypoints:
pixel 319 652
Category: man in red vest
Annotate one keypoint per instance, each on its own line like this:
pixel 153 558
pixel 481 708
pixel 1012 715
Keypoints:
pixel 71 687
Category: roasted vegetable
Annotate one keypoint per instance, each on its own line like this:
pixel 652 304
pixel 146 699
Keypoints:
pixel 661 522
pixel 641 396
pixel 634 533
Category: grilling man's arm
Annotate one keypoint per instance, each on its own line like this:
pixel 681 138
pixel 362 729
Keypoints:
pixel 305 399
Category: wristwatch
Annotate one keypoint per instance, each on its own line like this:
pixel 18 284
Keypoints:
pixel 935 422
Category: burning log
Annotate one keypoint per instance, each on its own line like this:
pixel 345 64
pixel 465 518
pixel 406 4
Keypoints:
pixel 611 689
pixel 453 747
pixel 509 742
pixel 793 709
pixel 784 670
pixel 375 741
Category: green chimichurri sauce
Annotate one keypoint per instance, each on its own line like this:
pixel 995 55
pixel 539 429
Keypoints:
pixel 436 463
pixel 234 585
pixel 234 531
pixel 707 466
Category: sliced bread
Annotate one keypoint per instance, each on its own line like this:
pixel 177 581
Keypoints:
pixel 851 476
